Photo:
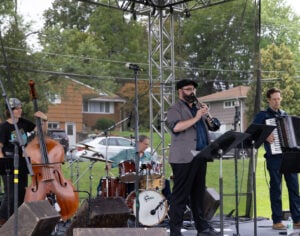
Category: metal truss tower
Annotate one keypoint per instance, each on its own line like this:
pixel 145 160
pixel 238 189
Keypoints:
pixel 161 14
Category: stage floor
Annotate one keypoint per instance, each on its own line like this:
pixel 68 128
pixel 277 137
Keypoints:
pixel 245 228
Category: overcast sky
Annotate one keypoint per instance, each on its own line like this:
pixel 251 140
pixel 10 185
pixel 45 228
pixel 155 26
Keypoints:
pixel 27 9
pixel 35 13
pixel 33 9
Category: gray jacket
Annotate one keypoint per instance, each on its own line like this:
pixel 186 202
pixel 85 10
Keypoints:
pixel 184 142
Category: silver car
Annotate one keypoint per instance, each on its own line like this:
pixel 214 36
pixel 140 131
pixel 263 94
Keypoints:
pixel 100 147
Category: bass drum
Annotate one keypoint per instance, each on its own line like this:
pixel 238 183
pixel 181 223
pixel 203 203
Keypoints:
pixel 153 207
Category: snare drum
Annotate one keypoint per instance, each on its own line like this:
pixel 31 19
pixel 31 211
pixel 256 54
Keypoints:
pixel 152 169
pixel 112 187
pixel 157 170
pixel 153 207
pixel 127 171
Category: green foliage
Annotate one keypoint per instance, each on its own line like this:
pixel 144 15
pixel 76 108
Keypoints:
pixel 17 62
pixel 103 124
pixel 93 46
pixel 219 45
pixel 279 28
pixel 278 70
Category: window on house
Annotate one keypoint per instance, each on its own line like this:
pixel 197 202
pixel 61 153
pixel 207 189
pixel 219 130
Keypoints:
pixel 98 107
pixel 53 125
pixel 54 98
pixel 229 104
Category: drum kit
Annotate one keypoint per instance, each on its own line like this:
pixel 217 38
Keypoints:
pixel 153 205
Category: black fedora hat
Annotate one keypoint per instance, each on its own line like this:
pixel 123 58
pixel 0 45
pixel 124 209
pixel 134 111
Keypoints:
pixel 184 82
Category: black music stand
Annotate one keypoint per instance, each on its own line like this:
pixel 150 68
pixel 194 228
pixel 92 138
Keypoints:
pixel 7 169
pixel 258 134
pixel 6 166
pixel 217 149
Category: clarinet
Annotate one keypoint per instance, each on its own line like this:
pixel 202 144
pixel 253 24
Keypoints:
pixel 213 123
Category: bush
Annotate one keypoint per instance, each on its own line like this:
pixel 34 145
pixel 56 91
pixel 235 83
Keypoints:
pixel 103 123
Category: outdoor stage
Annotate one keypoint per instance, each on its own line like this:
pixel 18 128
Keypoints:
pixel 245 228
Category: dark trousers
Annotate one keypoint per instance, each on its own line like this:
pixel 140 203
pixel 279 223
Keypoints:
pixel 8 197
pixel 189 185
pixel 291 179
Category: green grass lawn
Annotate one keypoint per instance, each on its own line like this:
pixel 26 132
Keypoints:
pixel 85 178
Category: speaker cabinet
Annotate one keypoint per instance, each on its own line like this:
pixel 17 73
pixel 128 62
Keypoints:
pixel 290 162
pixel 101 213
pixel 211 203
pixel 34 219
pixel 120 231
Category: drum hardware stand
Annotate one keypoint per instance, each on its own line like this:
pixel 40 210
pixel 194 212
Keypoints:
pixel 90 168
pixel 188 210
pixel 71 163
pixel 217 149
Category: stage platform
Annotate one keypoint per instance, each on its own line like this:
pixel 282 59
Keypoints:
pixel 245 228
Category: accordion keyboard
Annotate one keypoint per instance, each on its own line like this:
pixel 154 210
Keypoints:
pixel 275 146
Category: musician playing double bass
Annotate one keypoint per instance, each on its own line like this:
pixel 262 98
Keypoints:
pixel 7 137
pixel 273 161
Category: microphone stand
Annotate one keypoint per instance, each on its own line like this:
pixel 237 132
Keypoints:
pixel 105 132
pixel 19 142
pixel 236 121
pixel 135 69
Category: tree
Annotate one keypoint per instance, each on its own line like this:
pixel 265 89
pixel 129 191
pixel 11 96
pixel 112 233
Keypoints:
pixel 219 45
pixel 17 61
pixel 94 50
pixel 280 28
pixel 128 91
pixel 278 71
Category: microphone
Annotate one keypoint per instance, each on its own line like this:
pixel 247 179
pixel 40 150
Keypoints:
pixel 153 211
pixel 133 67
pixel 129 120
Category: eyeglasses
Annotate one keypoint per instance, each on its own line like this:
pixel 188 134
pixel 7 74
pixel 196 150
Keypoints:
pixel 189 89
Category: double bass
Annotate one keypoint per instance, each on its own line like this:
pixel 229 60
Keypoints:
pixel 46 156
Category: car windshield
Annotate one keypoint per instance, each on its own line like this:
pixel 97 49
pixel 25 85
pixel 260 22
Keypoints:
pixel 86 140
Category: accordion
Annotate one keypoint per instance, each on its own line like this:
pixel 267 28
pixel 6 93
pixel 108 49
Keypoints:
pixel 286 133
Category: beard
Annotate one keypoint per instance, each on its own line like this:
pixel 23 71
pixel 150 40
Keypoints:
pixel 189 98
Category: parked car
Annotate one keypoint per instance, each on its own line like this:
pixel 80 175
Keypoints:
pixel 241 152
pixel 100 147
pixel 60 136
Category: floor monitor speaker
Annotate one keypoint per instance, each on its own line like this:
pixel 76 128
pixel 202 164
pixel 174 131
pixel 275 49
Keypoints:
pixel 34 219
pixel 211 203
pixel 101 213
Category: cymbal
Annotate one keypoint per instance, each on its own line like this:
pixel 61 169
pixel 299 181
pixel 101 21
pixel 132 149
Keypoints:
pixel 87 147
pixel 95 158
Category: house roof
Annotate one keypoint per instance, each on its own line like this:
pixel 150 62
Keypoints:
pixel 108 99
pixel 100 95
pixel 229 94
